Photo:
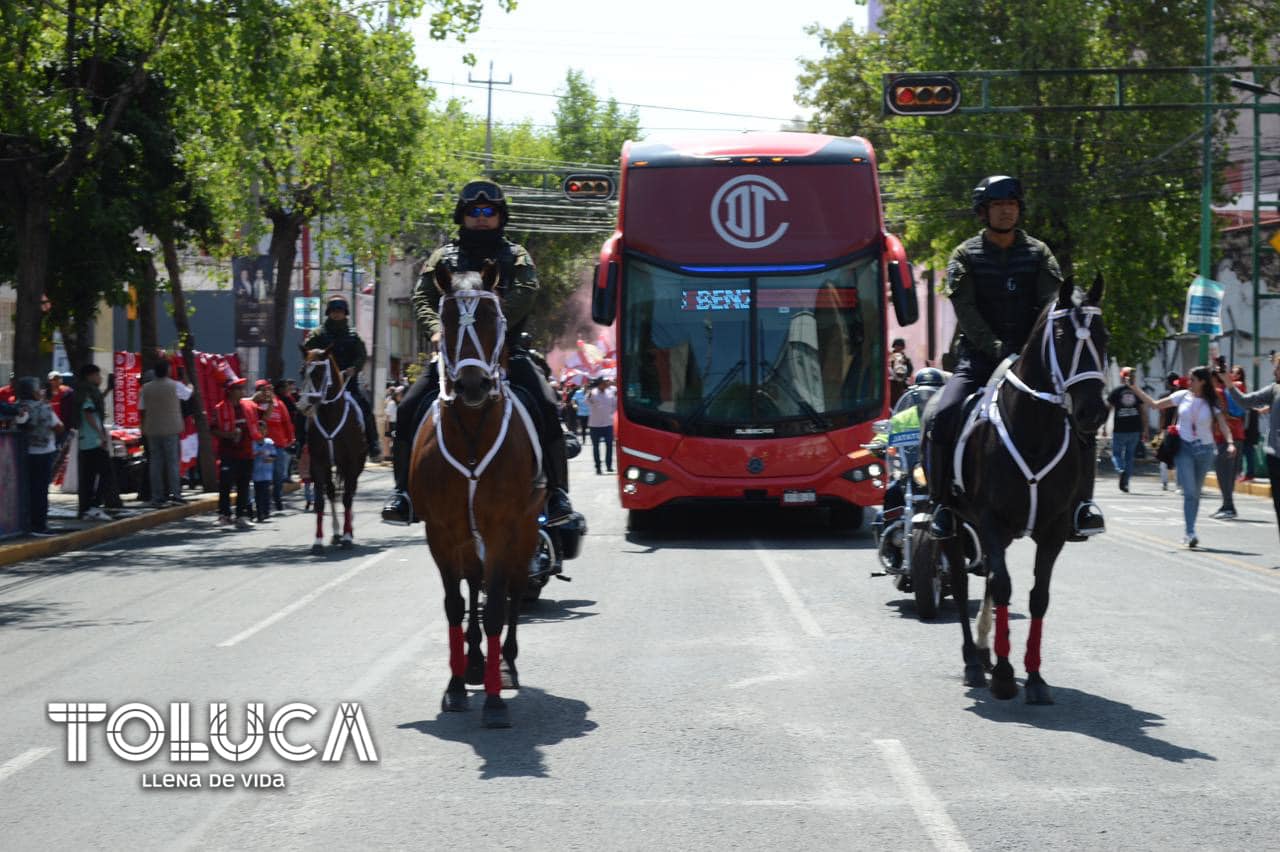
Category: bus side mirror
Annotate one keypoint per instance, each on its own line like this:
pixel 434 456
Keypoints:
pixel 902 292
pixel 604 300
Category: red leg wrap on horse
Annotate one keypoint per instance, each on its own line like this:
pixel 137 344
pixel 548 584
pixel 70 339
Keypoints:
pixel 492 666
pixel 346 525
pixel 457 652
pixel 1002 631
pixel 1032 660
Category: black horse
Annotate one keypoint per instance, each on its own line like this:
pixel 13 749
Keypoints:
pixel 1019 473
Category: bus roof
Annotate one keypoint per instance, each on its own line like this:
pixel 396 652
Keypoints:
pixel 807 148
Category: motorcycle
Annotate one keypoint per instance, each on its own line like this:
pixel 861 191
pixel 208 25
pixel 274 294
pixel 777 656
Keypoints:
pixel 556 544
pixel 904 548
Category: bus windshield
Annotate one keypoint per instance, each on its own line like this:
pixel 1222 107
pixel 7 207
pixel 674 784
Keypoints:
pixel 757 354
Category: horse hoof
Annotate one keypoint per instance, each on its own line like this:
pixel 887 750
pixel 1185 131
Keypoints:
pixel 974 676
pixel 337 539
pixel 317 549
pixel 496 714
pixel 1004 689
pixel 346 543
pixel 510 680
pixel 454 702
pixel 1039 693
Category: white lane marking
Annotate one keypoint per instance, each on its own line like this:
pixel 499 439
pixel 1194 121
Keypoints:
pixel 770 678
pixel 21 762
pixel 929 809
pixel 788 592
pixel 302 601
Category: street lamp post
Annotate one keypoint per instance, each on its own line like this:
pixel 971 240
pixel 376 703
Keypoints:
pixel 1259 109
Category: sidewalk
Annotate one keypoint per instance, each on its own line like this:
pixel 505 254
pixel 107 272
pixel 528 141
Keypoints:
pixel 72 533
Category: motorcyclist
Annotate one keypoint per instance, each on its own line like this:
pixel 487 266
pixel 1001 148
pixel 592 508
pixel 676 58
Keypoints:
pixel 998 282
pixel 350 353
pixel 481 214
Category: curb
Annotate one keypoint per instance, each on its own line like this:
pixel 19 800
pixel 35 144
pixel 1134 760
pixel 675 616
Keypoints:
pixel 81 539
pixel 1255 488
pixel 40 548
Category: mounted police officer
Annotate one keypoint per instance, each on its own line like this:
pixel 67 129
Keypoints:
pixel 481 213
pixel 998 282
pixel 350 353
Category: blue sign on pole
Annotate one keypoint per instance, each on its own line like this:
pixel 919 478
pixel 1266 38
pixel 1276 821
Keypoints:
pixel 306 312
pixel 1203 314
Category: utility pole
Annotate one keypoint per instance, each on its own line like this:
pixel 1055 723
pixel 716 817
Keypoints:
pixel 488 121
pixel 1206 177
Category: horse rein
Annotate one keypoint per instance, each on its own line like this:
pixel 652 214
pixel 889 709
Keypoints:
pixel 1061 384
pixel 451 364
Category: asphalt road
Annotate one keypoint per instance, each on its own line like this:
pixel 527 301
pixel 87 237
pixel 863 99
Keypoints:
pixel 738 680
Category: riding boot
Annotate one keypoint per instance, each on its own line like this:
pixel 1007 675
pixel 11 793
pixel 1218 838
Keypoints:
pixel 370 429
pixel 556 467
pixel 398 509
pixel 1087 519
pixel 942 524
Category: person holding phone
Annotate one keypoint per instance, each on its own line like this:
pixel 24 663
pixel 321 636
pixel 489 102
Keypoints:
pixel 1198 410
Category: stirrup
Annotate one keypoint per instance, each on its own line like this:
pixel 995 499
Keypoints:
pixel 1088 521
pixel 942 524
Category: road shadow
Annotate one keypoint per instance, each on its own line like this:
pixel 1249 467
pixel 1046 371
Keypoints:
pixel 539 720
pixel 948 613
pixel 1080 712
pixel 36 615
pixel 547 610
pixel 703 527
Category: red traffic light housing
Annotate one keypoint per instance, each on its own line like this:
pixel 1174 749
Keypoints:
pixel 920 94
pixel 592 187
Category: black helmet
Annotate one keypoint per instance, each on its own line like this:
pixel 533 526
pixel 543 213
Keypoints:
pixel 997 188
pixel 337 302
pixel 929 377
pixel 481 190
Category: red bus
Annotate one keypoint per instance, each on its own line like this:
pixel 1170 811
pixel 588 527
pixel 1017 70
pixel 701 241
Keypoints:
pixel 749 278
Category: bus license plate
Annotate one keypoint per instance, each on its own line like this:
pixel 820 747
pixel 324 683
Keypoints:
pixel 799 498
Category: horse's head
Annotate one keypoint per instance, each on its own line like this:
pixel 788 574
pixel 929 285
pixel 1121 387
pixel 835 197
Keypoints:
pixel 1075 353
pixel 319 374
pixel 473 334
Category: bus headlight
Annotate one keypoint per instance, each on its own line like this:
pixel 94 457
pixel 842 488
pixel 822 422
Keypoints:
pixel 641 474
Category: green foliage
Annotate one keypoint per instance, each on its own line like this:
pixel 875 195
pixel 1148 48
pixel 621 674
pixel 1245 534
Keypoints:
pixel 1110 191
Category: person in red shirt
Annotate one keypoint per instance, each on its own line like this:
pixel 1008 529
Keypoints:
pixel 1226 466
pixel 236 426
pixel 279 424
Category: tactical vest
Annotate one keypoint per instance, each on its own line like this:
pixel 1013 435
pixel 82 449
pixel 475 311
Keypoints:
pixel 1004 286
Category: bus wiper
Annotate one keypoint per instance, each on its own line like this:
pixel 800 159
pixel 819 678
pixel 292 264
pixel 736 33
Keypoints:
pixel 787 385
pixel 715 392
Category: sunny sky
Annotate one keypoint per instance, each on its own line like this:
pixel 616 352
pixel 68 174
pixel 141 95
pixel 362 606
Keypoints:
pixel 727 66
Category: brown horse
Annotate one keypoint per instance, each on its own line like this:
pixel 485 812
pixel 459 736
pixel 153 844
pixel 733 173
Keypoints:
pixel 474 479
pixel 335 437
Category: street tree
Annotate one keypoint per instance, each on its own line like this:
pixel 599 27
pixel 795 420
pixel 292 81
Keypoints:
pixel 1111 191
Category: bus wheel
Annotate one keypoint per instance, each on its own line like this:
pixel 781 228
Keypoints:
pixel 846 516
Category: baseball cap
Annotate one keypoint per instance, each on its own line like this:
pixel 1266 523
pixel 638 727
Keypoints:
pixel 235 383
pixel 54 374
pixel 261 383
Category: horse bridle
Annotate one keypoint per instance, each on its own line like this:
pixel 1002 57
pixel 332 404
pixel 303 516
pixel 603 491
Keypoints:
pixel 1049 351
pixel 327 434
pixel 452 362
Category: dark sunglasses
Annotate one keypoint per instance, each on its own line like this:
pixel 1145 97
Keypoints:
pixel 482 211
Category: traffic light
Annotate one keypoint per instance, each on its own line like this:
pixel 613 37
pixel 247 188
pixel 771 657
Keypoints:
pixel 920 94
pixel 588 187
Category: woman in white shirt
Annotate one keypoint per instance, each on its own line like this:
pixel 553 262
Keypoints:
pixel 1197 412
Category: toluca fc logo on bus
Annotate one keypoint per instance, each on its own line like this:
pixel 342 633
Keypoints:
pixel 744 212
